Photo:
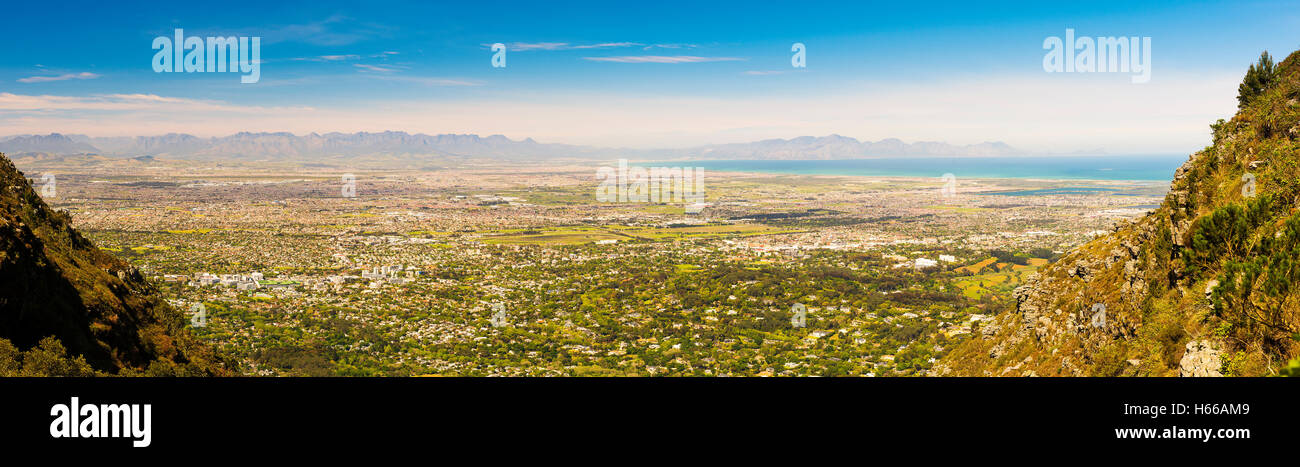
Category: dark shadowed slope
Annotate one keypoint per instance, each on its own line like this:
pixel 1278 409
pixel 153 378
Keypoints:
pixel 54 282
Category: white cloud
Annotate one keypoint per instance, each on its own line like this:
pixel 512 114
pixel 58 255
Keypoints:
pixel 526 46
pixel 53 105
pixel 63 77
pixel 530 46
pixel 670 46
pixel 607 45
pixel 375 68
pixel 335 30
pixel 662 59
pixel 327 58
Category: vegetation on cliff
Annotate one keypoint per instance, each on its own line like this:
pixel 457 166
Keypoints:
pixel 1207 284
pixel 69 309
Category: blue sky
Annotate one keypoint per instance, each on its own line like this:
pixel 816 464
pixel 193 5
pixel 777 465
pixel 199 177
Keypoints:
pixel 653 74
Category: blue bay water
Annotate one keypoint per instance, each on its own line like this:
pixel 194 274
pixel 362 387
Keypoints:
pixel 1130 167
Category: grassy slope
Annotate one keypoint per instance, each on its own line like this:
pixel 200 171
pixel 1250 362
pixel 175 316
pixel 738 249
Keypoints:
pixel 1155 303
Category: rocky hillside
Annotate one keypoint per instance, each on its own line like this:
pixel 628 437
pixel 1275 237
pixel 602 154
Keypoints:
pixel 1208 284
pixel 54 282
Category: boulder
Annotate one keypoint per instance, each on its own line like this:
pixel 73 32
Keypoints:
pixel 1201 360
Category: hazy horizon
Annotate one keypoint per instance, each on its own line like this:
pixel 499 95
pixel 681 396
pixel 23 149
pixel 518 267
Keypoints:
pixel 646 76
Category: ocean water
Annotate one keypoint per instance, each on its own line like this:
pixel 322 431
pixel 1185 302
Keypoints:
pixel 1068 190
pixel 1130 167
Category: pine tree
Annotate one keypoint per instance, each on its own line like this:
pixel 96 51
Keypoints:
pixel 1259 292
pixel 1258 77
pixel 1226 233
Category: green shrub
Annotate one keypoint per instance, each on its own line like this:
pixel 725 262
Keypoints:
pixel 1258 77
pixel 48 358
pixel 1226 234
pixel 1257 293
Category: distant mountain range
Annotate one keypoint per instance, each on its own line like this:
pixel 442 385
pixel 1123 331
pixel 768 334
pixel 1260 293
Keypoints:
pixel 290 146
pixel 52 143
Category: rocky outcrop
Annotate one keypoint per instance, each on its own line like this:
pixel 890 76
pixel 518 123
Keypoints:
pixel 1201 359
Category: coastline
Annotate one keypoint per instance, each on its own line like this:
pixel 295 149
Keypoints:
pixel 1139 168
